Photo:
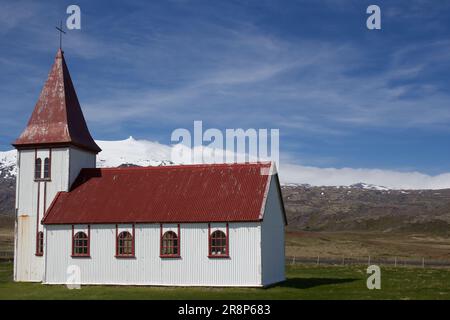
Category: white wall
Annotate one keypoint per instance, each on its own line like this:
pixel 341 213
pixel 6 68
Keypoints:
pixel 272 238
pixel 28 266
pixel 79 159
pixel 256 249
pixel 193 268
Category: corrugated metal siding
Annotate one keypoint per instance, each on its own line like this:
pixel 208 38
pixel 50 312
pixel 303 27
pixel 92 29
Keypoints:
pixel 59 174
pixel 16 224
pixel 194 268
pixel 191 193
pixel 272 237
pixel 29 267
pixel 24 255
pixel 79 159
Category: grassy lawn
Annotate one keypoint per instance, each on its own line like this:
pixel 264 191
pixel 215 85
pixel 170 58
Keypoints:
pixel 6 234
pixel 304 282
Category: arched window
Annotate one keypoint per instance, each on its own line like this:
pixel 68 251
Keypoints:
pixel 40 243
pixel 218 244
pixel 46 168
pixel 80 244
pixel 170 245
pixel 37 168
pixel 125 244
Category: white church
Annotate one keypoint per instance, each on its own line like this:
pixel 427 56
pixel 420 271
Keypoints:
pixel 181 225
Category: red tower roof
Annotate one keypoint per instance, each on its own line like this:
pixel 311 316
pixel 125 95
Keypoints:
pixel 57 118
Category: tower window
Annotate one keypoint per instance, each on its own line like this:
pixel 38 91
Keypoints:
pixel 37 168
pixel 47 168
pixel 40 243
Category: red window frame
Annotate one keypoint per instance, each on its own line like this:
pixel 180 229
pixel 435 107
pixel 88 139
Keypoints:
pixel 163 247
pixel 119 246
pixel 213 245
pixel 40 243
pixel 47 168
pixel 43 169
pixel 37 169
pixel 75 245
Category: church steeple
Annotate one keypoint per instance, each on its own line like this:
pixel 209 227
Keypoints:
pixel 51 151
pixel 57 119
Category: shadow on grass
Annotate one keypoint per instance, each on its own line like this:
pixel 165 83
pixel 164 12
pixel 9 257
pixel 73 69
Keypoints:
pixel 305 283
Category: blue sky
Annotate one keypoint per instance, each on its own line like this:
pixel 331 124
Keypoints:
pixel 341 95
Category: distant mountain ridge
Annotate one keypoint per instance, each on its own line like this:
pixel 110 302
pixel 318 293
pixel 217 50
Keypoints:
pixel 132 152
pixel 359 185
pixel 360 206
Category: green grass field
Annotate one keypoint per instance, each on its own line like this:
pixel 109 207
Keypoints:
pixel 304 282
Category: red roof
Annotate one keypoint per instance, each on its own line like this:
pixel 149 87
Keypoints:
pixel 186 193
pixel 57 118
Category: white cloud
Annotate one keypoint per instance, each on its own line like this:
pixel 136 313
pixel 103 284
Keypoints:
pixel 14 14
pixel 143 152
pixel 235 65
pixel 322 81
pixel 291 173
pixel 233 73
pixel 148 153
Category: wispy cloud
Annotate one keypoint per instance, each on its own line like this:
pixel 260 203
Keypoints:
pixel 308 78
pixel 290 173
pixel 141 65
pixel 15 14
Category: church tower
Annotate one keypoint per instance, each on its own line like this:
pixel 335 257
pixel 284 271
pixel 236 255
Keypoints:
pixel 51 151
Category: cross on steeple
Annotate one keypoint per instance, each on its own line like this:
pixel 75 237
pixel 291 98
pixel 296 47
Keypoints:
pixel 61 31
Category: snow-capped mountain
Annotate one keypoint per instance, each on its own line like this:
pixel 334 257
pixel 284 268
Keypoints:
pixel 345 204
pixel 8 167
pixel 114 154
pixel 360 185
pixel 147 153
pixel 128 152
pixel 135 152
pixel 367 186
